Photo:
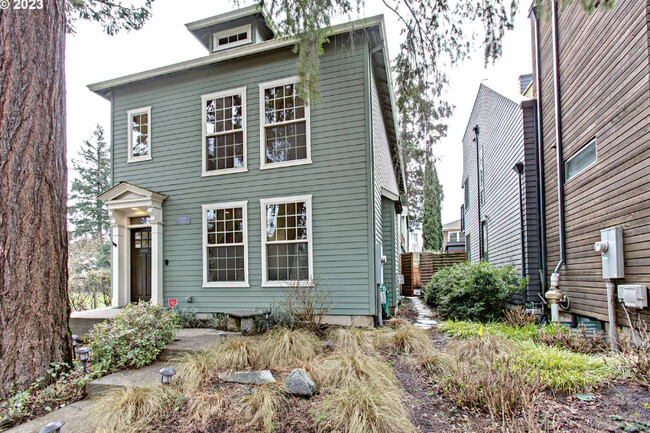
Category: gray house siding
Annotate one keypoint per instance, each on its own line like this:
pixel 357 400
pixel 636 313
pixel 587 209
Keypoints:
pixel 384 177
pixel 337 179
pixel 501 135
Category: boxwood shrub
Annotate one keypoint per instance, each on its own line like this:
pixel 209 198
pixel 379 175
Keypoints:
pixel 473 291
pixel 133 338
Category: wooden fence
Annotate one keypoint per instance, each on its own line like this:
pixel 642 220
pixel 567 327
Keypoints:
pixel 419 275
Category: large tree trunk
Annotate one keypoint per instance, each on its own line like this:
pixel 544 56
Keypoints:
pixel 34 307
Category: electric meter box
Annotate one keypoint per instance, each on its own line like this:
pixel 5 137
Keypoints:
pixel 611 249
pixel 633 295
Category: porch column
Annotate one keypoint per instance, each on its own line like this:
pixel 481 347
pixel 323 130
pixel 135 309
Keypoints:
pixel 119 261
pixel 155 219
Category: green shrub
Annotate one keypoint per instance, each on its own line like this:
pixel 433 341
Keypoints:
pixel 133 338
pixel 476 291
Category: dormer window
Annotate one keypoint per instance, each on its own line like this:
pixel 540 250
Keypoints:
pixel 231 38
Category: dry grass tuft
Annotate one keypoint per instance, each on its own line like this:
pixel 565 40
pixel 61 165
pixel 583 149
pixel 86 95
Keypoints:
pixel 410 339
pixel 194 369
pixel 352 340
pixel 482 347
pixel 397 322
pixel 284 348
pixel 203 408
pixel 366 408
pixel 260 409
pixel 435 363
pixel 131 409
pixel 351 370
pixel 236 354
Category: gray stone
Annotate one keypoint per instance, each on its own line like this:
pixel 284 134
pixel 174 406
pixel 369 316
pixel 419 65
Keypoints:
pixel 299 383
pixel 248 377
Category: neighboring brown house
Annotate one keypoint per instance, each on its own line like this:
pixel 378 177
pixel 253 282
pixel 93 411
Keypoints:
pixel 597 77
pixel 453 238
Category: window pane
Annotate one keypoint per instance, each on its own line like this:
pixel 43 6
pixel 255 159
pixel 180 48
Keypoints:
pixel 289 263
pixel 581 160
pixel 225 151
pixel 226 264
pixel 228 229
pixel 139 135
pixel 286 142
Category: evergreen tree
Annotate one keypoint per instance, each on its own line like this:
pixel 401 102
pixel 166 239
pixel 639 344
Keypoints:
pixel 432 208
pixel 93 177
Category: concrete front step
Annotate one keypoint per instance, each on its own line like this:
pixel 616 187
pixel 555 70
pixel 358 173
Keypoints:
pixel 187 340
pixel 81 322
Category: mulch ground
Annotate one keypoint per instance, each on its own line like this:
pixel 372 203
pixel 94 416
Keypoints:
pixel 618 407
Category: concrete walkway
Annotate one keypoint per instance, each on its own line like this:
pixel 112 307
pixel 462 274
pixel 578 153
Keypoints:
pixel 425 318
pixel 186 340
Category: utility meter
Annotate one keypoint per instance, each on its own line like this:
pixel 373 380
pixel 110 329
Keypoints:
pixel 610 247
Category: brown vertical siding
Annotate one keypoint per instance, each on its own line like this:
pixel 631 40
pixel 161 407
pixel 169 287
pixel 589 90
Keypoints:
pixel 605 93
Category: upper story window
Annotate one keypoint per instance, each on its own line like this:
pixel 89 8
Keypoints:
pixel 231 38
pixel 139 140
pixel 484 240
pixel 454 237
pixel 225 245
pixel 466 190
pixel 286 240
pixel 224 132
pixel 481 175
pixel 581 160
pixel 285 131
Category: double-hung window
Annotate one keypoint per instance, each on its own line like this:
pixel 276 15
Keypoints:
pixel 286 240
pixel 224 132
pixel 139 138
pixel 225 245
pixel 285 132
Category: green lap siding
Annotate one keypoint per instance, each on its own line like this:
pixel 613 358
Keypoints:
pixel 337 179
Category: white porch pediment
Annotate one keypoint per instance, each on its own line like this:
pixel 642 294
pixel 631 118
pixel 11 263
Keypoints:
pixel 125 195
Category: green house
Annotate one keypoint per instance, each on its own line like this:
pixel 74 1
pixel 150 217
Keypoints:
pixel 228 187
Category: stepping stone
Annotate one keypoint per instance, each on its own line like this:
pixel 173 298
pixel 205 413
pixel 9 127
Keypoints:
pixel 299 383
pixel 248 377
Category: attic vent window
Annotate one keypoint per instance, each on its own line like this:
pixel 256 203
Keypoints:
pixel 231 38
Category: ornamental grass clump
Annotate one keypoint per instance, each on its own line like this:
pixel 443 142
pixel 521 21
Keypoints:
pixel 564 370
pixel 350 370
pixel 352 340
pixel 133 338
pixel 194 369
pixel 204 407
pixel 577 340
pixel 261 408
pixel 435 363
pixel 463 329
pixel 236 354
pixel 284 348
pixel 479 347
pixel 132 409
pixel 365 408
pixel 410 339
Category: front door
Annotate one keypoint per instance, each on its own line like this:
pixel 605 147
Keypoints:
pixel 140 264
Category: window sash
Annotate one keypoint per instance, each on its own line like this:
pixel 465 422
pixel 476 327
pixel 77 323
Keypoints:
pixel 308 242
pixel 135 134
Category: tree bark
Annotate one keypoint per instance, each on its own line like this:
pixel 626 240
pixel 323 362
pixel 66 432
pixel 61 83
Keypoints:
pixel 34 308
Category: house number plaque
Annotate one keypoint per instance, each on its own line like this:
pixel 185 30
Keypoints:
pixel 183 219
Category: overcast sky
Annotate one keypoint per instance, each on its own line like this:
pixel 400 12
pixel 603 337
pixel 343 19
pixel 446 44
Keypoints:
pixel 92 56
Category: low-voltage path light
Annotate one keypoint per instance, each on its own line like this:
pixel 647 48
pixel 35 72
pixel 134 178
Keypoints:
pixel 166 375
pixel 84 355
pixel 53 427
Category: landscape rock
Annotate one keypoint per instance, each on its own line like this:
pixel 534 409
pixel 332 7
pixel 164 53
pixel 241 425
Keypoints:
pixel 248 377
pixel 299 383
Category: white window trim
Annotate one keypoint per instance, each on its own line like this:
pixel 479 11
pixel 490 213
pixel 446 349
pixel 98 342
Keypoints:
pixel 582 149
pixel 129 122
pixel 263 164
pixel 204 243
pixel 279 200
pixel 455 232
pixel 229 32
pixel 204 153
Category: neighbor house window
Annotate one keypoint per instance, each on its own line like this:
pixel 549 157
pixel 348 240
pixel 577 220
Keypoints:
pixel 139 139
pixel 466 190
pixel 224 132
pixel 225 245
pixel 285 127
pixel 231 38
pixel 580 161
pixel 468 248
pixel 484 240
pixel 286 240
pixel 453 237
